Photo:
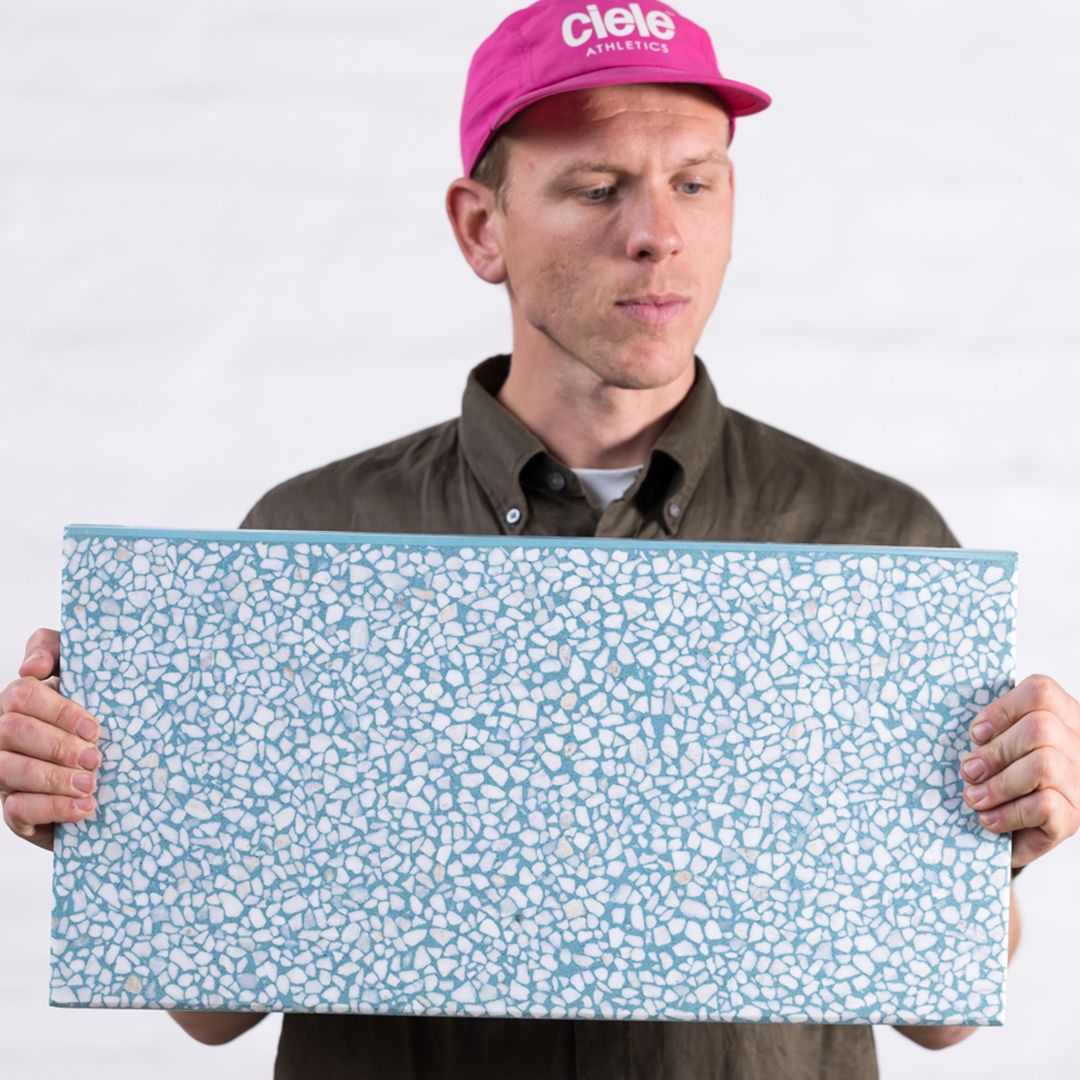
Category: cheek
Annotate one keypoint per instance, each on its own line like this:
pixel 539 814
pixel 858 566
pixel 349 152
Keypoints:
pixel 713 232
pixel 557 278
pixel 710 251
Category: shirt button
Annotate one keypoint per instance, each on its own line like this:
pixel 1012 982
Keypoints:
pixel 556 481
pixel 673 509
pixel 513 515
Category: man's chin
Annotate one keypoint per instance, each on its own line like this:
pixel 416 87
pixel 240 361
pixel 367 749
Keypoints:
pixel 642 368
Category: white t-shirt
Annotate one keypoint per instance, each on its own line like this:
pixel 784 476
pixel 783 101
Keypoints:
pixel 603 486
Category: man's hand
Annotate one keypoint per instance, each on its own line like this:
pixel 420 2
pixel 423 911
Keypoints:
pixel 48 759
pixel 1029 748
pixel 46 750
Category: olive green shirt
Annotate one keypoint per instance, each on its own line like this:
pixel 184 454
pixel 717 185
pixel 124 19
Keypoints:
pixel 713 474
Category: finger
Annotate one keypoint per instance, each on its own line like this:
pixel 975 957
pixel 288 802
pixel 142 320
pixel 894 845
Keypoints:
pixel 1035 692
pixel 42 657
pixel 31 697
pixel 1042 768
pixel 27 812
pixel 42 835
pixel 31 737
pixel 1036 729
pixel 1045 811
pixel 21 773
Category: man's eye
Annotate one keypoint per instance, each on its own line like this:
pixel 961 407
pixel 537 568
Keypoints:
pixel 592 191
pixel 599 194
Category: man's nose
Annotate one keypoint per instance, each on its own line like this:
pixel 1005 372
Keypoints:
pixel 651 229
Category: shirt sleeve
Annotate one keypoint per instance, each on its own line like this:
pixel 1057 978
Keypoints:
pixel 252 519
pixel 924 525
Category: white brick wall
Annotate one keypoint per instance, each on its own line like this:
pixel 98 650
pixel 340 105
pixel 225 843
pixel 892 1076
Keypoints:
pixel 222 245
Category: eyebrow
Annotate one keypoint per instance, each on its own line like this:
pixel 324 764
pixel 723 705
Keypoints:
pixel 717 157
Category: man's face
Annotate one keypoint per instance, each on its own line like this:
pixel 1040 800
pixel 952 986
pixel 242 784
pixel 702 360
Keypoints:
pixel 603 206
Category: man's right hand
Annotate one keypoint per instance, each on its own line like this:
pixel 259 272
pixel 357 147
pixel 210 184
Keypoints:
pixel 48 760
pixel 46 743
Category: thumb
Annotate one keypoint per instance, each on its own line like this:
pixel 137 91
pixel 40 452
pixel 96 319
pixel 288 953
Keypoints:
pixel 42 655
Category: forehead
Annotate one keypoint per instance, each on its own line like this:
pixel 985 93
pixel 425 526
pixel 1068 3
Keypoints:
pixel 609 110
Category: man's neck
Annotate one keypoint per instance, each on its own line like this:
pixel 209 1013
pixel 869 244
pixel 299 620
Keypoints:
pixel 584 422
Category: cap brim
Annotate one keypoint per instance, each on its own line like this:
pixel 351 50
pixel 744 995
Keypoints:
pixel 738 99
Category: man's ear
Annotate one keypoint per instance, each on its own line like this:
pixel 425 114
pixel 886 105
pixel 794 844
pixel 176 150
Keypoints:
pixel 473 215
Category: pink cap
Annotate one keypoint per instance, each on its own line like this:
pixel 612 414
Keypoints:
pixel 557 45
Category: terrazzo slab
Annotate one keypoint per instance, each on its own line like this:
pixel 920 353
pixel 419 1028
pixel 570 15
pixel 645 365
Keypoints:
pixel 532 776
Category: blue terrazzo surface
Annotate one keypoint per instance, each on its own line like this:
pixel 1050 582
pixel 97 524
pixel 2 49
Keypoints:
pixel 549 777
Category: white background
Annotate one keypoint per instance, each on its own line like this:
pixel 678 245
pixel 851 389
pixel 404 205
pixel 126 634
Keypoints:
pixel 224 259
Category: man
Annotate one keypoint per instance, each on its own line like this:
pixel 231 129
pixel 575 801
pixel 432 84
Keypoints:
pixel 599 191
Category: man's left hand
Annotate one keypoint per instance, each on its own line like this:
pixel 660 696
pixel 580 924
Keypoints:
pixel 1030 750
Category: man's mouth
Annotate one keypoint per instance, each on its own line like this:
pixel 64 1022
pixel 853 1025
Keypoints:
pixel 655 309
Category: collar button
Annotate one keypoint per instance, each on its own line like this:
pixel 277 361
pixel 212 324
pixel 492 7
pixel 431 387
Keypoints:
pixel 673 509
pixel 556 481
pixel 513 515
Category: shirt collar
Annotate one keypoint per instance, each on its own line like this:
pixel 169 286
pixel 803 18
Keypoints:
pixel 689 442
pixel 503 453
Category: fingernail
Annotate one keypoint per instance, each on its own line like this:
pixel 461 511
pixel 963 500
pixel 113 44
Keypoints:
pixel 982 732
pixel 974 768
pixel 83 781
pixel 87 729
pixel 84 804
pixel 37 654
pixel 88 759
pixel 976 794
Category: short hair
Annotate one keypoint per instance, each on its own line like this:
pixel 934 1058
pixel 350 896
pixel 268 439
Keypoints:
pixel 492 169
